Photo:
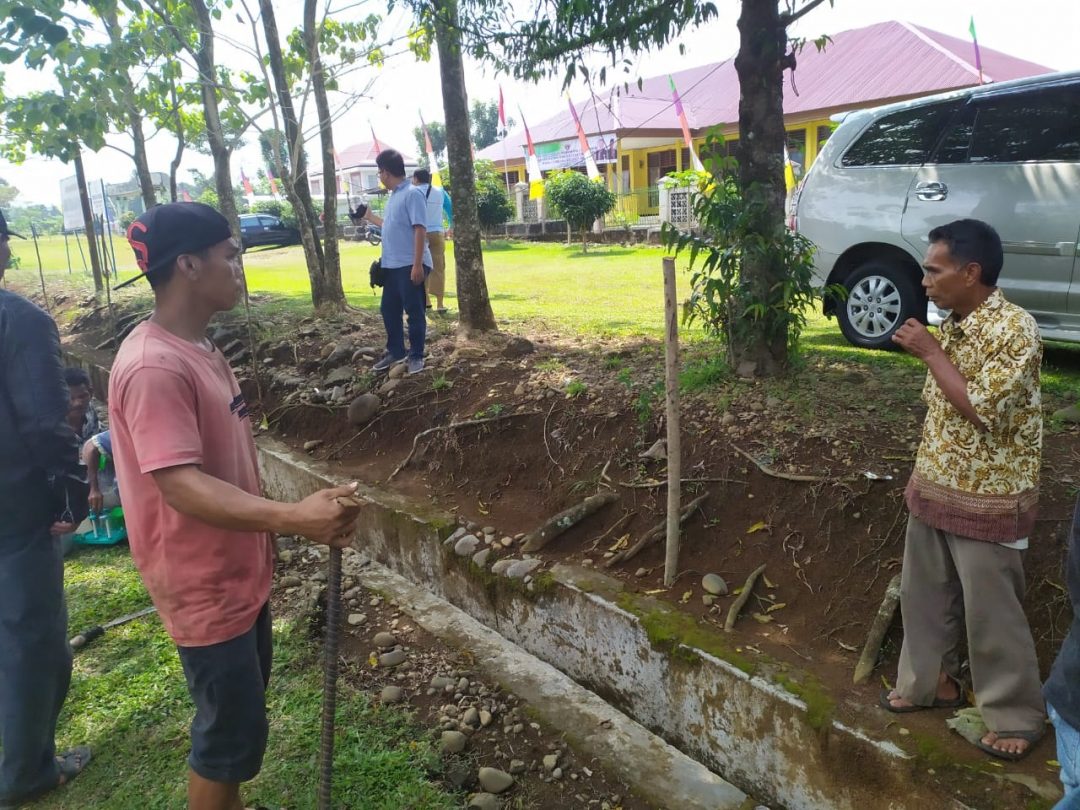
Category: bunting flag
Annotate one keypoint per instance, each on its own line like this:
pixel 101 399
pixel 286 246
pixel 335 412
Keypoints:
pixel 273 181
pixel 502 110
pixel 248 189
pixel 337 174
pixel 185 196
pixel 591 168
pixel 375 139
pixel 694 160
pixel 789 172
pixel 433 166
pixel 978 56
pixel 536 177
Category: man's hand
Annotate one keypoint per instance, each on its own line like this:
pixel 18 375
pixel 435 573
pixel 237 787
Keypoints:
pixel 96 500
pixel 328 517
pixel 358 215
pixel 914 338
pixel 417 274
pixel 61 527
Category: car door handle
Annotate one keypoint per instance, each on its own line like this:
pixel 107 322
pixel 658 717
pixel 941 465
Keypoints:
pixel 931 192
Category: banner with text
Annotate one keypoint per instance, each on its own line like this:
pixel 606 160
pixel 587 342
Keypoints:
pixel 567 154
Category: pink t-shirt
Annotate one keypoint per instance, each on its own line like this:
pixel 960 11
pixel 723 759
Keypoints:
pixel 173 403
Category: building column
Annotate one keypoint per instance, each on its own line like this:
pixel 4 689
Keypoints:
pixel 521 191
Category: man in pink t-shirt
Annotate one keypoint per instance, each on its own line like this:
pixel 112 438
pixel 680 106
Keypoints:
pixel 198 524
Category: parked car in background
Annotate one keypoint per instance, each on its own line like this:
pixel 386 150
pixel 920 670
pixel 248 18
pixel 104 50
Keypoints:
pixel 1008 154
pixel 264 229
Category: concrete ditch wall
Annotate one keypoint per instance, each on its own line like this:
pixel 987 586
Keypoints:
pixel 753 732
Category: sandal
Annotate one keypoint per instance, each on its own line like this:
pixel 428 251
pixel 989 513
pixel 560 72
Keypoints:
pixel 1032 737
pixel 939 703
pixel 68 764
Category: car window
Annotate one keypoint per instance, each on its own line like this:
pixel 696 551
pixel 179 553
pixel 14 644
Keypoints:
pixel 1037 126
pixel 956 143
pixel 268 222
pixel 903 138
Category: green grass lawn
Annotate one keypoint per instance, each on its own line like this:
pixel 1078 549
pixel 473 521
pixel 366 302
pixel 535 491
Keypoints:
pixel 129 703
pixel 611 291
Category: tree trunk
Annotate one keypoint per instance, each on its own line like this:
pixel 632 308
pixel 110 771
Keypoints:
pixel 132 115
pixel 215 136
pixel 294 176
pixel 474 304
pixel 181 143
pixel 759 65
pixel 331 253
pixel 88 223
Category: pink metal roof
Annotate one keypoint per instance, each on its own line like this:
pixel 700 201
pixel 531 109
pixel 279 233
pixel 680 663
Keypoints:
pixel 862 67
pixel 364 153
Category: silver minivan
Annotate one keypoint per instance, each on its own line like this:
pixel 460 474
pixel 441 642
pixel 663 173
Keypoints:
pixel 1008 154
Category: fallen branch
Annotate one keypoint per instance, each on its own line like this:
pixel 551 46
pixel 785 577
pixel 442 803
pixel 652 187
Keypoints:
pixel 878 629
pixel 455 426
pixel 596 543
pixel 775 473
pixel 741 599
pixel 658 484
pixel 656 532
pixel 553 527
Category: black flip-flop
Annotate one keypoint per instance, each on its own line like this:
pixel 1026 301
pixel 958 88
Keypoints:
pixel 1031 737
pixel 954 703
pixel 69 764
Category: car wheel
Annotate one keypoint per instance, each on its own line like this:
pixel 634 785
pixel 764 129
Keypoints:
pixel 880 298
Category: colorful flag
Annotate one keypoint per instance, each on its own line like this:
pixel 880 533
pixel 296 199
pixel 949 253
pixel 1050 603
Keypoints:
pixel 694 160
pixel 273 181
pixel 433 166
pixel 789 172
pixel 185 196
pixel 975 42
pixel 502 110
pixel 375 140
pixel 246 184
pixel 536 177
pixel 590 164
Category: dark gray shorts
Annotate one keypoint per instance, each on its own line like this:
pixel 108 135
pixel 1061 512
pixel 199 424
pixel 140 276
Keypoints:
pixel 227 682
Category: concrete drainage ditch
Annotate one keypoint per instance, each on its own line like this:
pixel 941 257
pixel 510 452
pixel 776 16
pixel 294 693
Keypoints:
pixel 641 656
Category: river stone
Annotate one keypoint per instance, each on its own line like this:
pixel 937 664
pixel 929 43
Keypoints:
pixel 341 355
pixel 441 682
pixel 485 718
pixel 340 375
pixel 517 767
pixel 356 618
pixel 518 347
pixel 327 350
pixel 714 584
pixel 471 717
pixel 290 581
pixel 1069 414
pixel 391 694
pixel 396 371
pixel 459 532
pixel 466 546
pixel 385 640
pixel 314 444
pixel 363 408
pixel 481 557
pixel 453 742
pixel 500 567
pixel 495 781
pixel 522 568
pixel 392 658
pixel 389 386
pixel 551 761
pixel 485 801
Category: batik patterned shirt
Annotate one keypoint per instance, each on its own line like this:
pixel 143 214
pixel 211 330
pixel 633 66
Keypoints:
pixel 983 483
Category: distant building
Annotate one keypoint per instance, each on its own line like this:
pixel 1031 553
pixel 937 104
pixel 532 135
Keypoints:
pixel 356 169
pixel 635 135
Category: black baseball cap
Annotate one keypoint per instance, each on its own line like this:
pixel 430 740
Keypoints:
pixel 5 230
pixel 166 231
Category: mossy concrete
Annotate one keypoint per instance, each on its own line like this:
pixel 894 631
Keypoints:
pixel 768 729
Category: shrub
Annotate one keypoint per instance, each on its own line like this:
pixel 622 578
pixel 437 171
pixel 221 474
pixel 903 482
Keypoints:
pixel 579 200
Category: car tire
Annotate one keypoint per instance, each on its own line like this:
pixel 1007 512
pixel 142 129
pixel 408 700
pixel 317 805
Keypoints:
pixel 881 296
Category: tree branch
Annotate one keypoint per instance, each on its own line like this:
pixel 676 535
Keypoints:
pixel 788 17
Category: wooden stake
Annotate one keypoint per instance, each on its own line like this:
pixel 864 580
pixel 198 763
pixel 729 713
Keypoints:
pixel 41 270
pixel 878 629
pixel 674 450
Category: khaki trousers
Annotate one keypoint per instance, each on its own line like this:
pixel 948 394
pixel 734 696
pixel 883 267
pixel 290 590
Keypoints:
pixel 952 583
pixel 436 280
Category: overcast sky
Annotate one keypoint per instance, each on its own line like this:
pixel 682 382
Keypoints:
pixel 1044 32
